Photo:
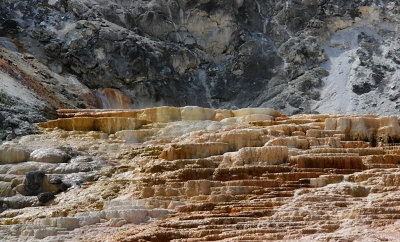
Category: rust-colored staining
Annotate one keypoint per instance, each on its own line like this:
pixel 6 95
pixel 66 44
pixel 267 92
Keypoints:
pixel 29 82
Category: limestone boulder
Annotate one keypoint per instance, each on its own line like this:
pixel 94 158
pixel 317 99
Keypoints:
pixel 49 155
pixel 13 154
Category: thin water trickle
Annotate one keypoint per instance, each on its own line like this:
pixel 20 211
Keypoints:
pixel 258 6
pixel 109 98
pixel 265 25
pixel 103 99
pixel 181 15
pixel 203 80
pixel 176 27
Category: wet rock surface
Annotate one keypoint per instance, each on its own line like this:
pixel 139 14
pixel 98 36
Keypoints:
pixel 260 175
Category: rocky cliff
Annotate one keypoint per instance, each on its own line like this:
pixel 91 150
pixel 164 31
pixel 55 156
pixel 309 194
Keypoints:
pixel 295 56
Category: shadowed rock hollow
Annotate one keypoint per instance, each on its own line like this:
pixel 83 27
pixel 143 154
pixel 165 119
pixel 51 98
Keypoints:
pixel 171 173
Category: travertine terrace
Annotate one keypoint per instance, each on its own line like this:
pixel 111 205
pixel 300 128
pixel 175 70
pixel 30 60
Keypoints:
pixel 194 174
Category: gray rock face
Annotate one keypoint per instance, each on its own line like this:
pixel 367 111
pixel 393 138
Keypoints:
pixel 278 54
pixel 37 183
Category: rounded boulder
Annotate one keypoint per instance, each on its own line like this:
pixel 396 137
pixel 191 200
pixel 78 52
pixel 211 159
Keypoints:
pixel 49 155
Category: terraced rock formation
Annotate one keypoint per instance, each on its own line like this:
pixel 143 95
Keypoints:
pixel 198 174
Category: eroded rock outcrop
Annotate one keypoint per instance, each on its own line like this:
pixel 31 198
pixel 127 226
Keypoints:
pixel 297 56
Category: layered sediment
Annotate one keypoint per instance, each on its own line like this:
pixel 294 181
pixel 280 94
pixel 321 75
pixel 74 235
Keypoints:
pixel 198 174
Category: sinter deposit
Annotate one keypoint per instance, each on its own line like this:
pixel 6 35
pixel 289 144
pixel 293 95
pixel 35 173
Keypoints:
pixel 171 173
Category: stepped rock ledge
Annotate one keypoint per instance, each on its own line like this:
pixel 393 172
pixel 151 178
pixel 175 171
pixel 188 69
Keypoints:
pixel 196 174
